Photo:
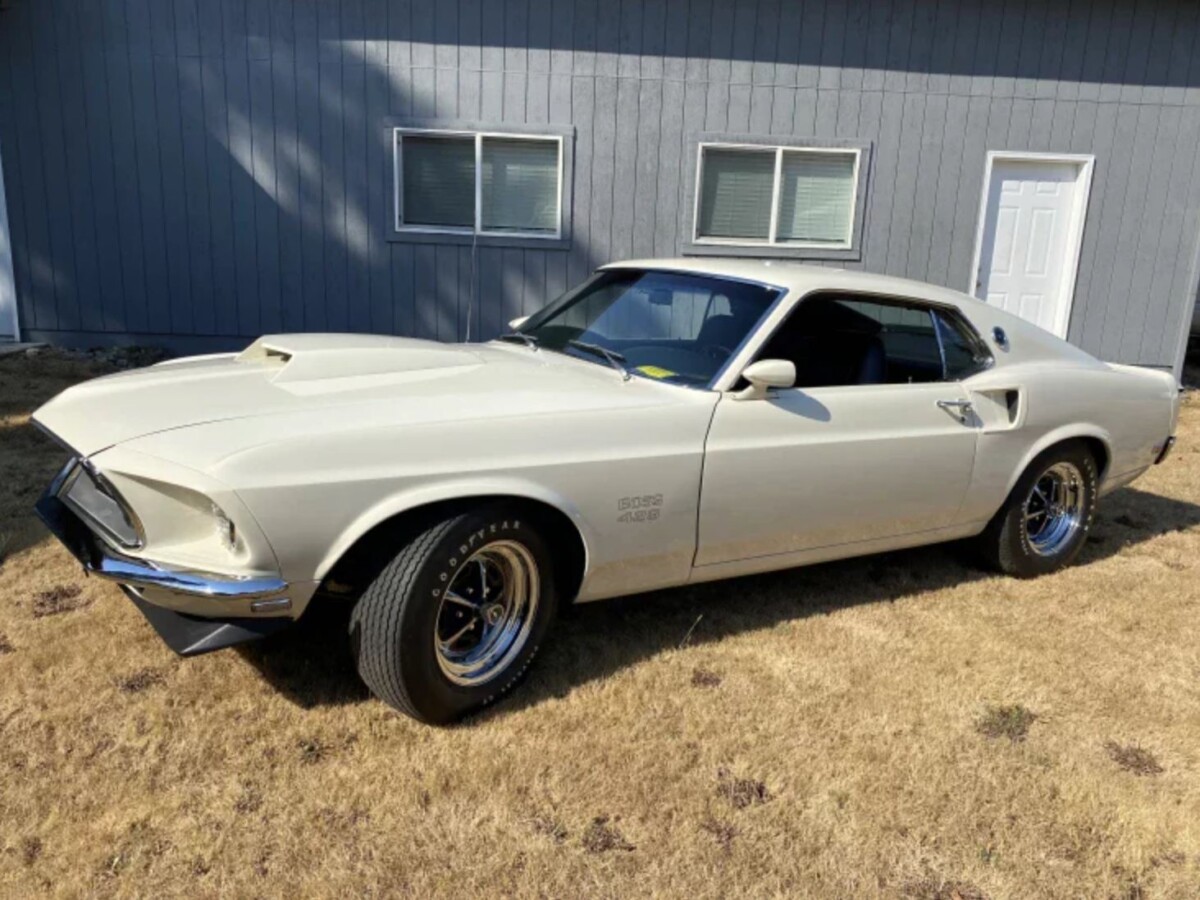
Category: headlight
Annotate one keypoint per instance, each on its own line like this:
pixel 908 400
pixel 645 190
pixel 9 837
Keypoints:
pixel 89 494
pixel 166 513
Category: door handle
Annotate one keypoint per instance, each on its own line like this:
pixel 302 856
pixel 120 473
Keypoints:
pixel 962 409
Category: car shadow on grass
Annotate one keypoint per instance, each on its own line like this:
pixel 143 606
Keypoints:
pixel 312 666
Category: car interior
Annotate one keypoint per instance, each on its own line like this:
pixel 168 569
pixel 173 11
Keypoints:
pixel 698 332
pixel 664 325
pixel 682 328
pixel 836 340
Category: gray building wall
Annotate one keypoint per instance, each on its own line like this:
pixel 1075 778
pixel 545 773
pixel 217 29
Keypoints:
pixel 198 172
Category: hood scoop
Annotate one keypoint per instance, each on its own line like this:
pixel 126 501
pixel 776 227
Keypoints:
pixel 305 358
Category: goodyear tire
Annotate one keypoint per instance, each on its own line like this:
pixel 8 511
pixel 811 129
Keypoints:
pixel 1045 521
pixel 453 622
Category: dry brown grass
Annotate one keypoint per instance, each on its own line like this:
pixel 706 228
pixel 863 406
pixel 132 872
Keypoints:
pixel 851 693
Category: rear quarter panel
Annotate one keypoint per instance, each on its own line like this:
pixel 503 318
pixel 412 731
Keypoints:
pixel 1129 410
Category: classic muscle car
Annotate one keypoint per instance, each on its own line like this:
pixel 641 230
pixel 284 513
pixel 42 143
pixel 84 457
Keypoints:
pixel 665 422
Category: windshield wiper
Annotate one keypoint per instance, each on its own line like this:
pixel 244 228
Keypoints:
pixel 520 337
pixel 613 358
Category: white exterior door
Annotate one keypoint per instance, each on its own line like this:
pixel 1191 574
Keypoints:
pixel 821 467
pixel 8 288
pixel 1029 236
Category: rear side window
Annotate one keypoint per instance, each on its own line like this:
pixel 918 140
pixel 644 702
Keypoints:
pixel 965 352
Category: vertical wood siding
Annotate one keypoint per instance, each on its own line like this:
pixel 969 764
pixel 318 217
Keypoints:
pixel 197 172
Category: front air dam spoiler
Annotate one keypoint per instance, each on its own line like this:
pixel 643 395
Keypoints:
pixel 193 635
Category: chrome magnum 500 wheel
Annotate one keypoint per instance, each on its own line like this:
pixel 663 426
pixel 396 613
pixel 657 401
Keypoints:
pixel 1053 510
pixel 453 622
pixel 1044 523
pixel 487 613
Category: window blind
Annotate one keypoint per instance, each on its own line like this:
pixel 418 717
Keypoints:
pixel 520 185
pixel 816 202
pixel 735 193
pixel 439 181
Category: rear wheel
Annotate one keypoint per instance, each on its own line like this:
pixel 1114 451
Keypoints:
pixel 454 620
pixel 1044 523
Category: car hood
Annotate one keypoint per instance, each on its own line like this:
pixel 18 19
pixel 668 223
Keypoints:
pixel 366 378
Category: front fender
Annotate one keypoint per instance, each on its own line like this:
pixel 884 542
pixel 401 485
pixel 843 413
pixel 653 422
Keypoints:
pixel 454 489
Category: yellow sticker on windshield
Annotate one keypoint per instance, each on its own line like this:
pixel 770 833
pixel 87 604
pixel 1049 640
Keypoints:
pixel 655 371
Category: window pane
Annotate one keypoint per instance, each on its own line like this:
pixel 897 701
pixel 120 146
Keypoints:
pixel 520 185
pixel 838 340
pixel 965 354
pixel 668 326
pixel 735 193
pixel 692 311
pixel 662 312
pixel 439 181
pixel 909 342
pixel 816 202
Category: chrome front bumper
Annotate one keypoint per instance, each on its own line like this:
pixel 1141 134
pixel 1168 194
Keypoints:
pixel 228 604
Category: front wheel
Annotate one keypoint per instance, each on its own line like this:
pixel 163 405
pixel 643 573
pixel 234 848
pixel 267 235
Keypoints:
pixel 454 620
pixel 1044 523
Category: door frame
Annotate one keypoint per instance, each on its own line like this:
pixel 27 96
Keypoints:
pixel 1085 164
pixel 8 285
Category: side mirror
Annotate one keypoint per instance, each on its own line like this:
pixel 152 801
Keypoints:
pixel 515 324
pixel 766 374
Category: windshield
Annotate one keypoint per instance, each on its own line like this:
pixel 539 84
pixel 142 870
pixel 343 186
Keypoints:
pixel 669 326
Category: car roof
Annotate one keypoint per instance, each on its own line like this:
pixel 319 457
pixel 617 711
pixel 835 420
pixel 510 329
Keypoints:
pixel 800 279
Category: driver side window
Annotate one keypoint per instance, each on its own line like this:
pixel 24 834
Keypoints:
pixel 836 340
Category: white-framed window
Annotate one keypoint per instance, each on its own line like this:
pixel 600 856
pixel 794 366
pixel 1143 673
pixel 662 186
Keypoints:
pixel 758 195
pixel 477 182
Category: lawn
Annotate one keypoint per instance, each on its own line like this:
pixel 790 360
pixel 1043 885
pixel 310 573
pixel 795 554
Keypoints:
pixel 898 726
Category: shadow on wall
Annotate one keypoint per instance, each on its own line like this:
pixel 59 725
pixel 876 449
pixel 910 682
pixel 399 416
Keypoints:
pixel 312 665
pixel 229 171
pixel 299 175
pixel 235 175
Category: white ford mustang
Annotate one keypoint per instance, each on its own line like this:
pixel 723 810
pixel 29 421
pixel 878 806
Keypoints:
pixel 665 422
